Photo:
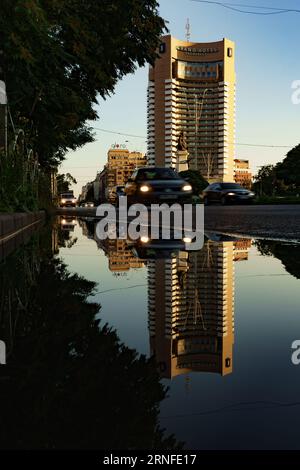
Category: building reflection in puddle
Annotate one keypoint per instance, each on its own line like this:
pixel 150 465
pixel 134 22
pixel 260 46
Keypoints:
pixel 191 309
pixel 190 298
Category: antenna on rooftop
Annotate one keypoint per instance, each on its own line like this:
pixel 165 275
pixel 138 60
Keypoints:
pixel 188 30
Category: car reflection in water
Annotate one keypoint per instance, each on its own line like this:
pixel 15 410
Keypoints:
pixel 65 229
pixel 147 248
pixel 67 223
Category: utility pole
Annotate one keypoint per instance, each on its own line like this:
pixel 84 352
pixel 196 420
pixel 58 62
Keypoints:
pixel 3 105
pixel 3 117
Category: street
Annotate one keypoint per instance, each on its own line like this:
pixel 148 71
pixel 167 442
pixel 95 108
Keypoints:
pixel 268 221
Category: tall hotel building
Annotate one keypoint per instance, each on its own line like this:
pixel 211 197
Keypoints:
pixel 192 90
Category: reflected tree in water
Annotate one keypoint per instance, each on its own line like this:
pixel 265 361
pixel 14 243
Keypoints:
pixel 70 382
pixel 288 254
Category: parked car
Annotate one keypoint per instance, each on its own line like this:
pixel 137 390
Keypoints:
pixel 155 184
pixel 227 193
pixel 67 200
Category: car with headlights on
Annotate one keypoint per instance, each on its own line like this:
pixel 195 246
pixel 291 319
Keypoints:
pixel 88 204
pixel 67 223
pixel 157 184
pixel 227 193
pixel 67 200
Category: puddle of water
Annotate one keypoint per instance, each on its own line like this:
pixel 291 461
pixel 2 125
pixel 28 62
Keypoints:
pixel 220 323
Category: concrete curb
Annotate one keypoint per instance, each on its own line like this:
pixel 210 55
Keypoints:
pixel 17 228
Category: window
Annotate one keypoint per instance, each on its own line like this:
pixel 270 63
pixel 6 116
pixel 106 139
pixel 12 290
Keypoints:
pixel 230 186
pixel 157 174
pixel 227 362
pixel 162 48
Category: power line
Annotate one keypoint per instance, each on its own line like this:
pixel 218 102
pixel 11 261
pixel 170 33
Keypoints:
pixel 233 6
pixel 229 143
pixel 95 166
pixel 120 133
pixel 262 145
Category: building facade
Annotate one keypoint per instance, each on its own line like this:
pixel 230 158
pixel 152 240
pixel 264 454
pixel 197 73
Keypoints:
pixel 242 173
pixel 120 257
pixel 121 163
pixel 191 93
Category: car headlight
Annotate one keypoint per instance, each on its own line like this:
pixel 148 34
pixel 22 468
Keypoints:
pixel 63 200
pixel 144 239
pixel 144 188
pixel 230 194
pixel 187 187
pixel 251 194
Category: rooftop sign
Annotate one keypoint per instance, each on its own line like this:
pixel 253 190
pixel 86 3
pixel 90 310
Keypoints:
pixel 119 146
pixel 197 50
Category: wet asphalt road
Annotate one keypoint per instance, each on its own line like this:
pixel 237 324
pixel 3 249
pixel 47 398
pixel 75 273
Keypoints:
pixel 268 221
pixel 271 221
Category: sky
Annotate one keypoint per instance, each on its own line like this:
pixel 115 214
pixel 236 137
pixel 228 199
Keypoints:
pixel 267 63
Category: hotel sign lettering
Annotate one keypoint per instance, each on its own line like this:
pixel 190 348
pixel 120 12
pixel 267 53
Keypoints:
pixel 119 146
pixel 197 50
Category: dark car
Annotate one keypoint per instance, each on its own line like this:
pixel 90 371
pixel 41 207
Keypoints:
pixel 155 184
pixel 227 193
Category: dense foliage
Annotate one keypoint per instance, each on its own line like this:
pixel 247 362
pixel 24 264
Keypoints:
pixel 289 169
pixel 60 55
pixel 282 178
pixel 265 180
pixel 288 254
pixel 64 182
pixel 69 382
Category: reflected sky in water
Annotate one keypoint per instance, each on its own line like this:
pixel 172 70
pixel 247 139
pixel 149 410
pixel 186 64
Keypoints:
pixel 220 323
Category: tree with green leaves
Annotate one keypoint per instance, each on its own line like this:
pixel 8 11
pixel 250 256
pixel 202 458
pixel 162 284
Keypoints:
pixel 265 181
pixel 61 55
pixel 64 182
pixel 289 169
